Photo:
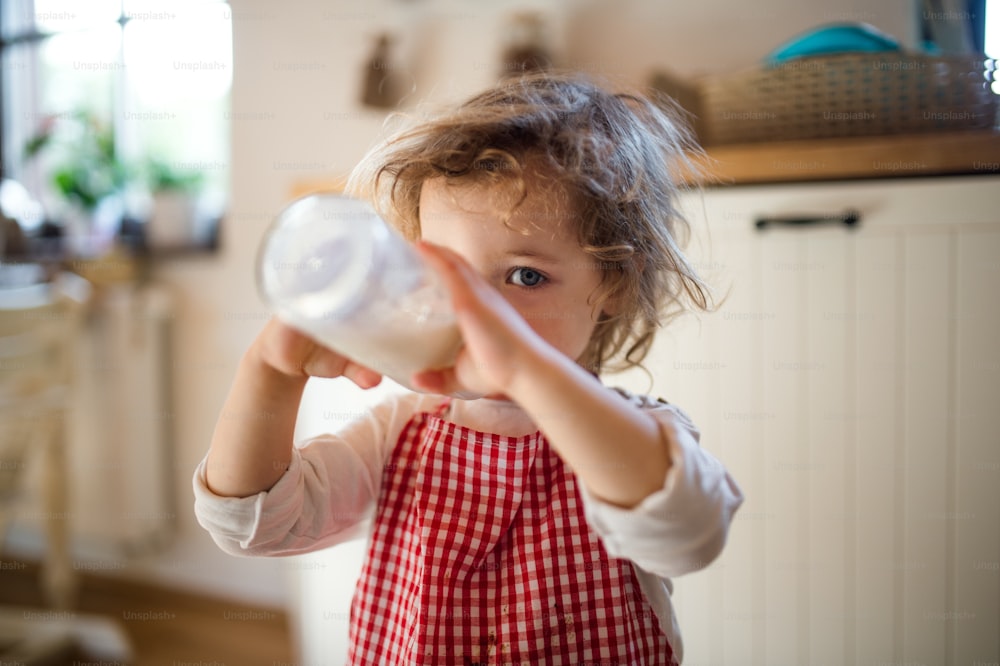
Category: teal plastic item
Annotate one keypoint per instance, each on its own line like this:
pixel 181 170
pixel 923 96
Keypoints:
pixel 834 38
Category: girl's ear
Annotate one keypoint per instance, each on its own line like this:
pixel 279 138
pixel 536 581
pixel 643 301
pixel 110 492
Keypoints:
pixel 612 305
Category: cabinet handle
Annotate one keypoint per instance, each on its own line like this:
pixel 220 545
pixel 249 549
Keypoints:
pixel 849 218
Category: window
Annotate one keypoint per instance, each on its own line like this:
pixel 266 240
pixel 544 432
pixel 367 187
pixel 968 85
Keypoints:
pixel 961 26
pixel 153 77
pixel 991 37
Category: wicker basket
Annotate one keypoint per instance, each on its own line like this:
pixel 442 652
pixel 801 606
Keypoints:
pixel 857 94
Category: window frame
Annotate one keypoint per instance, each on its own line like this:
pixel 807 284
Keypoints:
pixel 30 36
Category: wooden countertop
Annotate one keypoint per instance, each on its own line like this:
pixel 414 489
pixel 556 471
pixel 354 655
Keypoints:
pixel 854 158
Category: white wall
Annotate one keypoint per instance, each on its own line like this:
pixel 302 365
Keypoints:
pixel 296 116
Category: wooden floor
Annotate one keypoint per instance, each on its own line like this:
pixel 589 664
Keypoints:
pixel 164 626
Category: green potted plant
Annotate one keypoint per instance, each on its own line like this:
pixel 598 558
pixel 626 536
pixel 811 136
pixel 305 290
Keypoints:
pixel 77 151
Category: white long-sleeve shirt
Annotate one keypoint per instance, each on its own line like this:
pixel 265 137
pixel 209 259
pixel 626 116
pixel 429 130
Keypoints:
pixel 330 490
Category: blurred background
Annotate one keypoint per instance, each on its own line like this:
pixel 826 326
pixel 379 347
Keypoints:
pixel 146 146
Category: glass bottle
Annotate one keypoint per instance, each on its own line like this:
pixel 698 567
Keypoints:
pixel 332 268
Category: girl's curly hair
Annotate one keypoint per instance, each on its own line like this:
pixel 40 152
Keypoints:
pixel 618 155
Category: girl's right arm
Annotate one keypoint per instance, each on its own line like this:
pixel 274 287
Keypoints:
pixel 252 444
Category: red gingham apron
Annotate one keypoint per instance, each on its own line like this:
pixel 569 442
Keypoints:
pixel 481 555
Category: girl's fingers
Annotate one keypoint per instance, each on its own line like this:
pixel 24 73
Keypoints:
pixel 446 382
pixel 295 353
pixel 365 378
pixel 323 362
pixel 492 329
pixel 458 276
pixel 431 381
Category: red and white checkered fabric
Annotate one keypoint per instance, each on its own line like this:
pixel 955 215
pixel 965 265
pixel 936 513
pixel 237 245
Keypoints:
pixel 481 555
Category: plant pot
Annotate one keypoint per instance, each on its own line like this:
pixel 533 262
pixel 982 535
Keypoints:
pixel 173 220
pixel 91 233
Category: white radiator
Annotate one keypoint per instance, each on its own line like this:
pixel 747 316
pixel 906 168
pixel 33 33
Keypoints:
pixel 118 436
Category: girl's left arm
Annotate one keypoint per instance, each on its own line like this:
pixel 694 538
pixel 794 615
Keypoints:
pixel 617 450
pixel 620 452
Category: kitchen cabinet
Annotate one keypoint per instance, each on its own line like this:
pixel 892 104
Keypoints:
pixel 848 381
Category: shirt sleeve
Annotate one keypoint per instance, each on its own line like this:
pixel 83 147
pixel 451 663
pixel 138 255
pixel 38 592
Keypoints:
pixel 682 527
pixel 325 497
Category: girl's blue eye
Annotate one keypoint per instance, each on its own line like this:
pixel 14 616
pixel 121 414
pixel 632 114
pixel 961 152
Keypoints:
pixel 526 277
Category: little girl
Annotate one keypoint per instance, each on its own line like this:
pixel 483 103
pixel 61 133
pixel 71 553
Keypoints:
pixel 541 523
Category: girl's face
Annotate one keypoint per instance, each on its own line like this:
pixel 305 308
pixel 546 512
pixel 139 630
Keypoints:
pixel 533 259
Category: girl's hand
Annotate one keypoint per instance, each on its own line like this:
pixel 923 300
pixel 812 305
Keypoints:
pixel 498 341
pixel 252 443
pixel 293 354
